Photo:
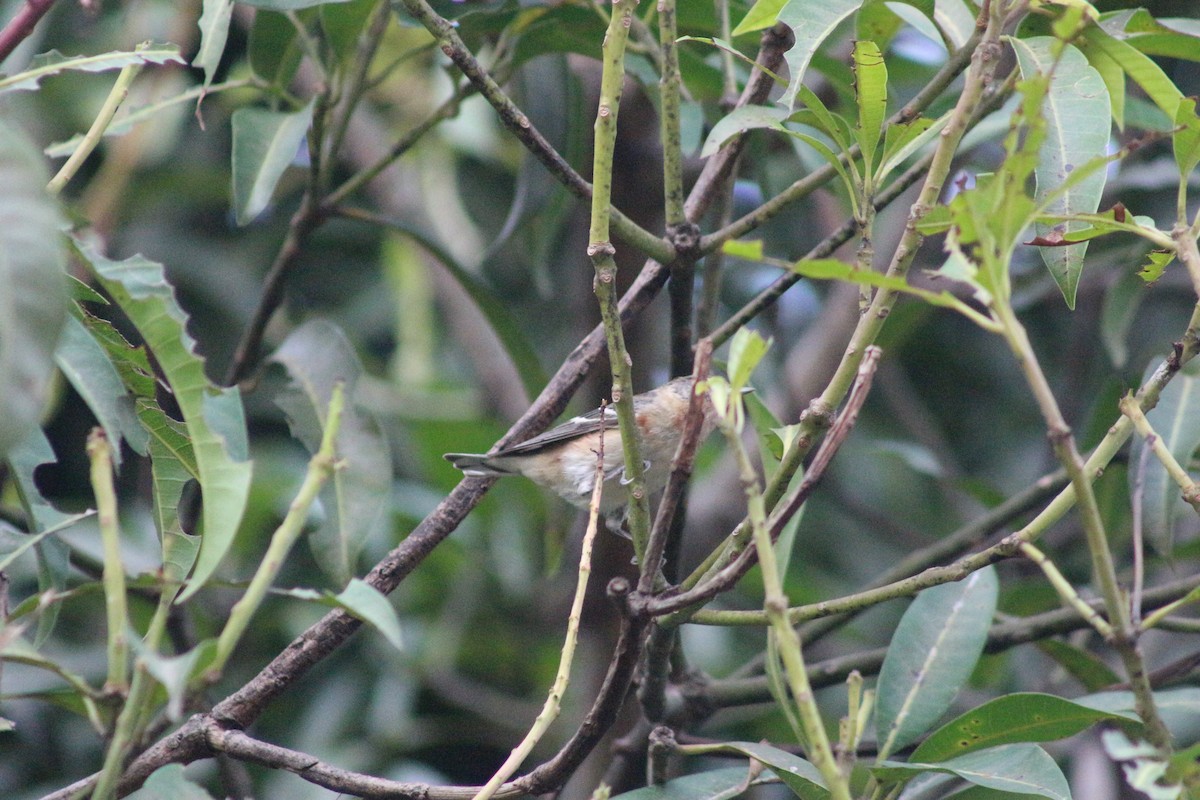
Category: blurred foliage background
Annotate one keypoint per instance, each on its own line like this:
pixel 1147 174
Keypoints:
pixel 948 432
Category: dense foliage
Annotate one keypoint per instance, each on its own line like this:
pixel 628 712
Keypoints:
pixel 264 263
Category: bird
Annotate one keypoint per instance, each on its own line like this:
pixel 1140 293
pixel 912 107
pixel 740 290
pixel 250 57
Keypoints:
pixel 563 459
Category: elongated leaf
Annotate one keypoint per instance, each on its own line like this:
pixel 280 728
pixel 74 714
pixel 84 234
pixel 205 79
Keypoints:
pixel 86 365
pixel 935 648
pixel 171 467
pixel 740 120
pixel 717 784
pixel 955 20
pixel 54 62
pixel 870 84
pixel 213 416
pixel 761 15
pixel 52 553
pixel 32 287
pixel 264 144
pixel 1018 768
pixel 1176 420
pixel 1139 67
pixel 318 356
pixel 493 308
pixel 797 774
pixel 1021 717
pixel 1179 708
pixel 1187 139
pixel 1076 111
pixel 214 32
pixel 811 21
pixel 1083 666
pixel 363 602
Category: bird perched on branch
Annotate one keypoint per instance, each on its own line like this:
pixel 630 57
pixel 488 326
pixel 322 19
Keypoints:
pixel 563 459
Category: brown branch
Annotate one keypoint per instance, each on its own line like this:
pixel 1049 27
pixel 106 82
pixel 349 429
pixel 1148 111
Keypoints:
pixel 21 25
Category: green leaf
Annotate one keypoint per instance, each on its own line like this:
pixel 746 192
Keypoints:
pixel 175 673
pixel 1083 666
pixel 33 294
pixel 172 465
pixel 1018 768
pixel 812 21
pixel 1076 112
pixel 745 352
pixel 342 23
pixel 264 144
pixel 762 14
pixel 1156 264
pixel 830 269
pixel 797 774
pixel 1176 420
pixel 87 366
pixel 169 783
pixel 904 139
pixel 214 32
pixel 213 416
pixel 717 784
pixel 54 62
pixel 274 49
pixel 955 20
pixel 494 309
pixel 932 653
pixel 363 602
pixel 1179 708
pixel 739 121
pixel 1020 717
pixel 1187 139
pixel 52 554
pixel 1139 67
pixel 1112 75
pixel 870 83
pixel 318 356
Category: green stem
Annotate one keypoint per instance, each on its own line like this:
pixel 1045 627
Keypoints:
pixel 320 468
pixel 775 604
pixel 116 96
pixel 100 454
pixel 1191 493
pixel 1065 590
pixel 601 251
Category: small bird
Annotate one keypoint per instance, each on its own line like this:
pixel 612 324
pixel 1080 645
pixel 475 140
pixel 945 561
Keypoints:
pixel 563 459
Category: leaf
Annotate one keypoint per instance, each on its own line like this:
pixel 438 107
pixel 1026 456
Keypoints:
pixel 870 83
pixel 762 14
pixel 213 416
pixel 1019 717
pixel 1140 68
pixel 955 20
pixel 265 143
pixel 52 553
pixel 318 356
pixel 745 352
pixel 363 602
pixel 739 121
pixel 175 673
pixel 812 21
pixel 1176 420
pixel 54 62
pixel 214 32
pixel 932 653
pixel 1119 309
pixel 169 783
pixel 1187 139
pixel 171 467
pixel 86 365
pixel 493 308
pixel 797 774
pixel 717 784
pixel 1076 111
pixel 274 50
pixel 902 140
pixel 33 295
pixel 1083 666
pixel 1018 768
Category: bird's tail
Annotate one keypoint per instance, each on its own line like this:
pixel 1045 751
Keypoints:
pixel 476 465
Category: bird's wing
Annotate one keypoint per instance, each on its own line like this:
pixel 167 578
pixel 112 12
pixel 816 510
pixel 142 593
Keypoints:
pixel 573 428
